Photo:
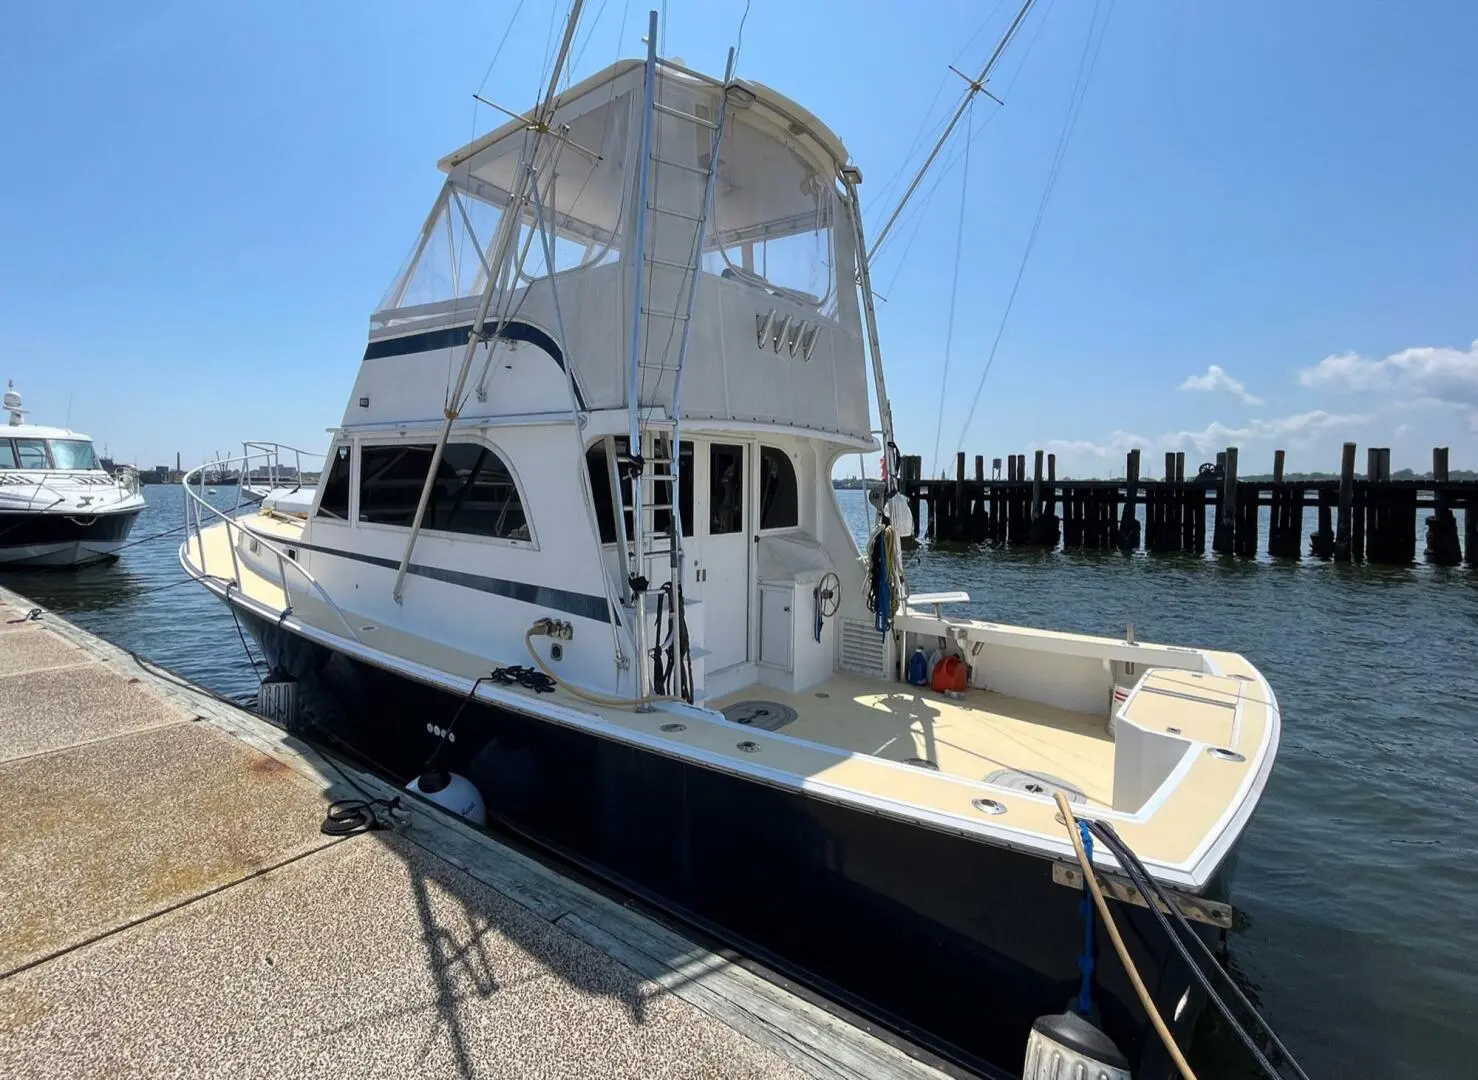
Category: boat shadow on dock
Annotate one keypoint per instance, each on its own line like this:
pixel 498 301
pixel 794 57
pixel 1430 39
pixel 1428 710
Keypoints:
pixel 172 905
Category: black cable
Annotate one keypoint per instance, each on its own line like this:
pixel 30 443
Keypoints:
pixel 239 632
pixel 1150 889
pixel 451 727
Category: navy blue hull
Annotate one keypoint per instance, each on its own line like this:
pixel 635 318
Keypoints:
pixel 953 943
pixel 49 539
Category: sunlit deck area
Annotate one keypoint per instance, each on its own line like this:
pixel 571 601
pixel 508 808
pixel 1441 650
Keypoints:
pixel 982 736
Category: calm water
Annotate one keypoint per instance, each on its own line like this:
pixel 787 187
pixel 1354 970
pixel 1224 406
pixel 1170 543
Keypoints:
pixel 1356 926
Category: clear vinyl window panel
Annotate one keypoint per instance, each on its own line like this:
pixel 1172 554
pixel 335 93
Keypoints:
pixel 774 215
pixel 582 186
pixel 474 491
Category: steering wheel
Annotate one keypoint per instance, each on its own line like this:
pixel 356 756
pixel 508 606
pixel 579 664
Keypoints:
pixel 828 595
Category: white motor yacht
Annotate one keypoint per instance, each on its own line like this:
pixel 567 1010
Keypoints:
pixel 579 510
pixel 58 506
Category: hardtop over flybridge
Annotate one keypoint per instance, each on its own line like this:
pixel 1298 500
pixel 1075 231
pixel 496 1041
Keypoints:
pixel 58 506
pixel 583 482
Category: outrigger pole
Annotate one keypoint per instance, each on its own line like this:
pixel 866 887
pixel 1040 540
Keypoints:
pixel 502 248
pixel 976 86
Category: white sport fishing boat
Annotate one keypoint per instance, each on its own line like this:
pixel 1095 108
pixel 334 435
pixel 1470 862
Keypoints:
pixel 590 447
pixel 58 506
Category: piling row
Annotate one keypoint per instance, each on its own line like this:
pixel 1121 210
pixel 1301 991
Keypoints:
pixel 1358 518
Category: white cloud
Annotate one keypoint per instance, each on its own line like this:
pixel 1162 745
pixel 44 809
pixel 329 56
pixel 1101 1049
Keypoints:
pixel 1430 373
pixel 1216 378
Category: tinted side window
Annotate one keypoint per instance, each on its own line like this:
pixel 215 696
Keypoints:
pixel 390 480
pixel 779 500
pixel 7 454
pixel 600 492
pixel 725 489
pixel 335 501
pixel 475 494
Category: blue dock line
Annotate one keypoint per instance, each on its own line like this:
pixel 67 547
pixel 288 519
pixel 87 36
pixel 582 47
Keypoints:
pixel 1085 962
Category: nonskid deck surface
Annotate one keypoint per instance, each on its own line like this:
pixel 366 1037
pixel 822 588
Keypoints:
pixel 978 737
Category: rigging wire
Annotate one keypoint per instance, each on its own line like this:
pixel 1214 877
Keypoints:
pixel 914 218
pixel 580 52
pixel 1086 63
pixel 621 33
pixel 954 289
pixel 926 130
pixel 499 50
pixel 739 43
pixel 915 215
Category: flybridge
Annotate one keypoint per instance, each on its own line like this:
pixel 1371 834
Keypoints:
pixel 774 333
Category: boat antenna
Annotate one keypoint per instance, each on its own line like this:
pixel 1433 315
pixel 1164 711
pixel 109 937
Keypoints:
pixel 974 86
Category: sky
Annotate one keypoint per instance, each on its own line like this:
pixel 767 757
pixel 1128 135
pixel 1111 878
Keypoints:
pixel 1262 229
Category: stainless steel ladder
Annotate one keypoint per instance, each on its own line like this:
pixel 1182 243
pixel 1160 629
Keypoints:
pixel 654 457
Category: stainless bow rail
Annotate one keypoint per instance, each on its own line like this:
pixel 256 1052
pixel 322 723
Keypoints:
pixel 269 459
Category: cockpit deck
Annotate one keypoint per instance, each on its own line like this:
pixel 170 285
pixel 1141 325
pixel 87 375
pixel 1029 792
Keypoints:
pixel 982 736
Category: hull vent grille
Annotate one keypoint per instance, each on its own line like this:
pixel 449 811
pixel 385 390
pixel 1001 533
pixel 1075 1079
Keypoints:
pixel 863 650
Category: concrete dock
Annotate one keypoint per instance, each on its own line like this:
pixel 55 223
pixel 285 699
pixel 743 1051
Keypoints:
pixel 169 907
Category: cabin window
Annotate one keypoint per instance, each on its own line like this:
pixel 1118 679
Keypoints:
pixel 725 489
pixel 335 500
pixel 474 492
pixel 779 497
pixel 600 492
pixel 31 453
pixel 7 455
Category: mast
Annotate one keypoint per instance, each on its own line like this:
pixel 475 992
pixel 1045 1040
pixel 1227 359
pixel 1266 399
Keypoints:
pixel 977 86
pixel 503 248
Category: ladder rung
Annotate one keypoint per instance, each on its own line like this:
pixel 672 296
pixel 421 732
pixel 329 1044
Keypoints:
pixel 670 111
pixel 664 314
pixel 699 169
pixel 674 213
pixel 670 263
pixel 657 506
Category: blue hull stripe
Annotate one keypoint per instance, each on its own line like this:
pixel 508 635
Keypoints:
pixel 456 336
pixel 584 605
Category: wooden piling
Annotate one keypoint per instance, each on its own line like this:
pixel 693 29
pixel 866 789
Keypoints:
pixel 957 514
pixel 1442 546
pixel 1224 539
pixel 1037 487
pixel 1342 537
pixel 1128 538
pixel 1285 521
